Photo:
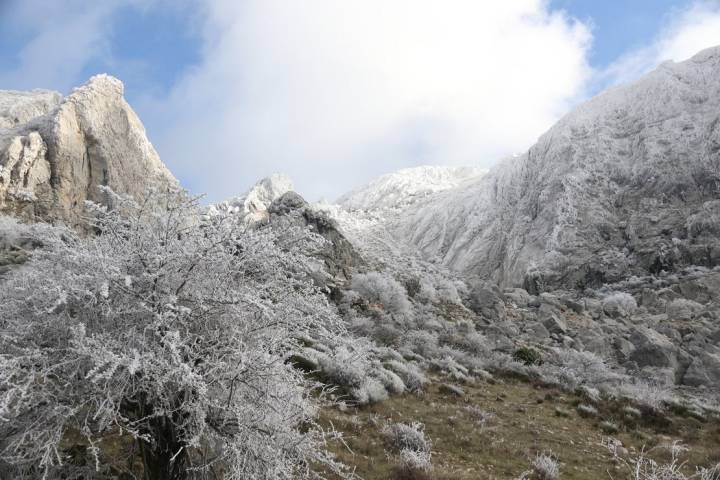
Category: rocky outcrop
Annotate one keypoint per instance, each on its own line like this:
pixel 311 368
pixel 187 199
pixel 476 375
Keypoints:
pixel 55 152
pixel 338 254
pixel 253 205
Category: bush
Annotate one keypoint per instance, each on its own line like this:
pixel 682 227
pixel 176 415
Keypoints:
pixel 587 411
pixel 619 304
pixel 527 356
pixel 413 378
pixel 544 467
pixel 403 436
pixel 169 326
pixel 384 290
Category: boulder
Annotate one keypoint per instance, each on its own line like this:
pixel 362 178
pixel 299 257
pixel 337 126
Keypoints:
pixel 652 349
pixel 704 370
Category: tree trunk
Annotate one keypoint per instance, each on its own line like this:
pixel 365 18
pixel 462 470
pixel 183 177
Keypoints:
pixel 157 457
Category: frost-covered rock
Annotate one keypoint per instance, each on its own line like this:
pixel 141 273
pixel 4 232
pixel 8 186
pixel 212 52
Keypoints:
pixel 55 151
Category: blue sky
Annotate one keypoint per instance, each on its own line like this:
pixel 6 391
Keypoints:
pixel 233 90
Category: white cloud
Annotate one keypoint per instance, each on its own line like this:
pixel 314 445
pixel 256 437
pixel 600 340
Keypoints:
pixel 336 92
pixel 686 33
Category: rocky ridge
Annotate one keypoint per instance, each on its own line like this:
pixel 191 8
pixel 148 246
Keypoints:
pixel 55 151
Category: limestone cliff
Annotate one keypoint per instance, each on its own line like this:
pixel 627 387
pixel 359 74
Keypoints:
pixel 55 151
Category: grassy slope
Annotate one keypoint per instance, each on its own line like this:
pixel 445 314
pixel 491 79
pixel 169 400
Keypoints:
pixel 525 423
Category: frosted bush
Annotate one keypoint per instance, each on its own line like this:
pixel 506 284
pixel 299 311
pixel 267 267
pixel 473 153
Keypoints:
pixel 644 393
pixel 172 328
pixel 427 292
pixel 543 467
pixel 422 342
pixel 413 378
pixel 414 461
pixel 587 410
pixel 384 290
pixel 645 468
pixel 447 291
pixel 389 379
pixel 404 436
pixel 707 220
pixel 619 304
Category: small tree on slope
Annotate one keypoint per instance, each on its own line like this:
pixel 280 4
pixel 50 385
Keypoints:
pixel 169 327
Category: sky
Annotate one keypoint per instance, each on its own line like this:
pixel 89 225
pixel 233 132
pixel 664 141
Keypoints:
pixel 335 93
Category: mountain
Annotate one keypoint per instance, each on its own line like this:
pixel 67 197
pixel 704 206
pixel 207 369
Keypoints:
pixel 253 205
pixel 407 186
pixel 626 184
pixel 55 151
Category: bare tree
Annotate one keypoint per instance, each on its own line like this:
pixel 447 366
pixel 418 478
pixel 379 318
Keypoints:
pixel 165 333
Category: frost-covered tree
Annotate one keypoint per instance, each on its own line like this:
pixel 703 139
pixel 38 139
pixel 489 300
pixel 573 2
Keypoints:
pixel 159 344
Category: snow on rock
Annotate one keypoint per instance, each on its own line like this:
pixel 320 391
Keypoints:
pixel 407 186
pixel 253 205
pixel 55 152
pixel 620 186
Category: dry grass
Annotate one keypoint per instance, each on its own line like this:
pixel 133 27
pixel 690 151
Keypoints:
pixel 525 424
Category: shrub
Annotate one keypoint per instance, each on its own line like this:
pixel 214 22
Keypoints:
pixel 479 416
pixel 403 436
pixel 384 290
pixel 528 356
pixel 619 304
pixel 609 427
pixel 169 326
pixel 413 378
pixel 587 411
pixel 413 463
pixel 543 467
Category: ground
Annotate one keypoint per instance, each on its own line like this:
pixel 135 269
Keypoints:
pixel 527 420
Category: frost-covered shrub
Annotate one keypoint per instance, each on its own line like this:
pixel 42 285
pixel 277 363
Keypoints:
pixel 587 411
pixel 619 304
pixel 412 461
pixel 427 292
pixel 463 336
pixel 447 365
pixel 683 309
pixel 422 342
pixel 609 427
pixel 384 290
pixel 479 416
pixel 643 467
pixel 413 378
pixel 707 220
pixel 650 395
pixel 392 382
pixel 573 369
pixel 404 436
pixel 543 467
pixel 171 327
pixel 344 368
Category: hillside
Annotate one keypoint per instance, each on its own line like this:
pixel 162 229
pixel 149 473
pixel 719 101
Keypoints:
pixel 626 184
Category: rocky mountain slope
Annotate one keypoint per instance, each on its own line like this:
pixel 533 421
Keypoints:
pixel 55 151
pixel 603 238
pixel 628 183
pixel 408 186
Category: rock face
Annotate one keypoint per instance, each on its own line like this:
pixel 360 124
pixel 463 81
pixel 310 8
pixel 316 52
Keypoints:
pixel 628 183
pixel 55 152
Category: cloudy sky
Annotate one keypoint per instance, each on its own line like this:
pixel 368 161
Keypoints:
pixel 333 92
